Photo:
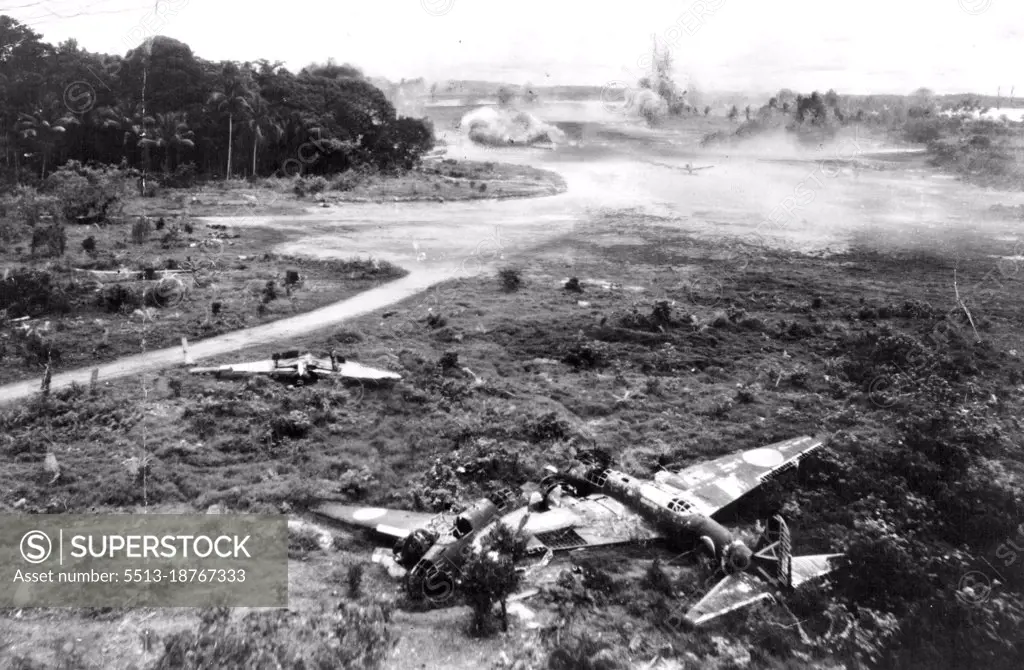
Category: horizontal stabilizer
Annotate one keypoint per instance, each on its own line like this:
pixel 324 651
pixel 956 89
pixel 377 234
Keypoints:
pixel 743 589
pixel 809 568
pixel 730 594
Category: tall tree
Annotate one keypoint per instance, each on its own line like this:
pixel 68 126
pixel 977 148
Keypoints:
pixel 170 133
pixel 129 122
pixel 23 63
pixel 234 99
pixel 262 123
pixel 45 129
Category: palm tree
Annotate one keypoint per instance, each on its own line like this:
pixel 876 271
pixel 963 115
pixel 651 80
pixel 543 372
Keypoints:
pixel 262 123
pixel 45 130
pixel 233 98
pixel 132 121
pixel 170 133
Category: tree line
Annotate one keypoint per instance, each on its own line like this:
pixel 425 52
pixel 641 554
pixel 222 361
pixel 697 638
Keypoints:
pixel 161 108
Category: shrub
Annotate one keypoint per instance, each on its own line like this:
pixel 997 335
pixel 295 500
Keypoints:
pixel 118 298
pixel 317 184
pixel 141 230
pixel 548 427
pixel 655 579
pixel 587 652
pixel 449 361
pixel 309 185
pixel 53 237
pixel 89 245
pixel 88 195
pixel 184 176
pixel 598 580
pixel 346 181
pixel 354 577
pixel 37 350
pixel 489 578
pixel 923 130
pixel 32 205
pixel 586 354
pixel 269 292
pixel 293 425
pixel 302 542
pixel 511 279
pixel 28 292
pixel 573 285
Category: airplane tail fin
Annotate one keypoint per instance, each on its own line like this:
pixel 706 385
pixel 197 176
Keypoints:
pixel 773 569
pixel 773 554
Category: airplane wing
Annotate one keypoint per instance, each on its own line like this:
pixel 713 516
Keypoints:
pixel 596 520
pixel 730 477
pixel 289 368
pixel 396 523
pixel 251 368
pixel 347 369
pixel 353 370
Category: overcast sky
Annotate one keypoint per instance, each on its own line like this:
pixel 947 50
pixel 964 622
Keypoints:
pixel 866 46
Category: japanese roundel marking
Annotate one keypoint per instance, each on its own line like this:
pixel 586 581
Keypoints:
pixel 764 457
pixel 368 513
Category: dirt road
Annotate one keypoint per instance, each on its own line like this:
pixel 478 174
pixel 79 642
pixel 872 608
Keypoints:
pixel 272 332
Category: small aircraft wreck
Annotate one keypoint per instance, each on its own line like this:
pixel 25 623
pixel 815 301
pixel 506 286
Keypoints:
pixel 689 168
pixel 592 505
pixel 290 366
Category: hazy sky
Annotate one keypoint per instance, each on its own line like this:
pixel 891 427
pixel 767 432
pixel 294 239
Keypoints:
pixel 867 46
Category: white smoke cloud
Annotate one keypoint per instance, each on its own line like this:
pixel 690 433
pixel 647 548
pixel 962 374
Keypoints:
pixel 501 127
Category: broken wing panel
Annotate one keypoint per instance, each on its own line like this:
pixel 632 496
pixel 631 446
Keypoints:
pixel 733 592
pixel 600 520
pixel 807 568
pixel 355 370
pixel 726 479
pixel 251 368
pixel 396 523
pixel 552 520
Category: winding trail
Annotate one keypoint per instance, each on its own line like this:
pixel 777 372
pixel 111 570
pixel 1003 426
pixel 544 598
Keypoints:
pixel 152 361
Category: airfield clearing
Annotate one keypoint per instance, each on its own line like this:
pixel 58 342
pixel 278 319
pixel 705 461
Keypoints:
pixel 781 344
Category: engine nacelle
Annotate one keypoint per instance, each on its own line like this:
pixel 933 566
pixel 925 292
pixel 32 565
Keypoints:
pixel 414 546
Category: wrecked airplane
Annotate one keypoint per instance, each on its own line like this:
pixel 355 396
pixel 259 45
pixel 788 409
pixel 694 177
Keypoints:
pixel 592 505
pixel 292 367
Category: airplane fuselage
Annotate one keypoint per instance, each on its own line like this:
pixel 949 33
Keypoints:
pixel 685 519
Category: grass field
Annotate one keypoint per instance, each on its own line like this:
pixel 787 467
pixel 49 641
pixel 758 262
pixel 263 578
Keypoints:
pixel 676 350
